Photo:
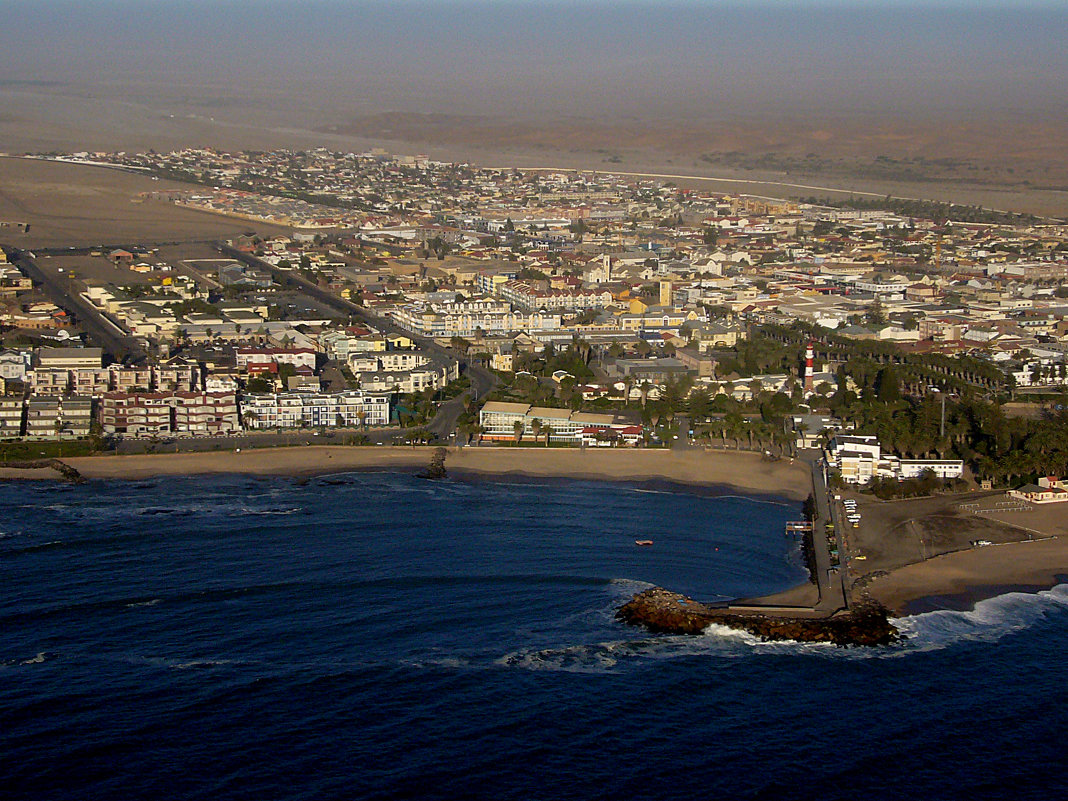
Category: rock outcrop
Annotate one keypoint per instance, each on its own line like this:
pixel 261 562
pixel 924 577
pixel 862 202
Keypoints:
pixel 436 469
pixel 662 611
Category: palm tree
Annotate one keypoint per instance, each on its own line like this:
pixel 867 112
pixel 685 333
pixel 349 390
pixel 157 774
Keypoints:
pixel 548 431
pixel 535 426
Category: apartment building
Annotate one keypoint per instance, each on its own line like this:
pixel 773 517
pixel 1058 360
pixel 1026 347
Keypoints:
pixel 446 323
pixel 156 413
pixel 315 409
pixel 429 376
pixel 297 357
pixel 56 418
pixel 11 414
pixel 70 358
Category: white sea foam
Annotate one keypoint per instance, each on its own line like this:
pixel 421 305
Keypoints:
pixel 41 657
pixel 626 586
pixel 201 663
pixel 765 501
pixel 726 632
pixel 263 512
pixel 989 621
pixel 137 604
pixel 604 657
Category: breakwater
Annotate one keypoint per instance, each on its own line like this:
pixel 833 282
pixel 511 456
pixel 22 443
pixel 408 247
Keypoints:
pixel 663 611
pixel 64 469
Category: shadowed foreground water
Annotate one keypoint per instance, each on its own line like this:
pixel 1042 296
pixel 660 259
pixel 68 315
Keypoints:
pixel 378 636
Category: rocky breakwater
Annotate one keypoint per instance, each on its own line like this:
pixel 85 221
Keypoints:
pixel 662 611
pixel 64 469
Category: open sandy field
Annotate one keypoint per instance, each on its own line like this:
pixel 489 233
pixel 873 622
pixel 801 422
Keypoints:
pixel 911 549
pixel 896 533
pixel 742 471
pixel 70 205
pixel 975 574
pixel 1015 164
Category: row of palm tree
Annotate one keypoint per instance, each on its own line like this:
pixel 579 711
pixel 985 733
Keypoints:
pixel 537 427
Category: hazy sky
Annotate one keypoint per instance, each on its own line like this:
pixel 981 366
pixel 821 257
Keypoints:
pixel 631 58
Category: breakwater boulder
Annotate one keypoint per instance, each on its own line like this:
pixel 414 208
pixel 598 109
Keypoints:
pixel 667 612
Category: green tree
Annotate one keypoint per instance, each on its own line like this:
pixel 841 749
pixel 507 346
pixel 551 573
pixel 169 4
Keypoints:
pixel 887 386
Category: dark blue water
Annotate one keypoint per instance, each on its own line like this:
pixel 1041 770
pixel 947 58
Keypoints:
pixel 377 636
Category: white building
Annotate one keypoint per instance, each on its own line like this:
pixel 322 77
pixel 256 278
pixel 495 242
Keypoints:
pixel 499 421
pixel 859 459
pixel 315 409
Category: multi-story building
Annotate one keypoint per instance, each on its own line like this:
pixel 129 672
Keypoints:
pixel 11 413
pixel 54 418
pixel 69 358
pixel 155 413
pixel 90 381
pixel 512 422
pixel 430 376
pixel 530 296
pixel 315 409
pixel 203 413
pixel 177 375
pixel 130 379
pixel 447 323
pixel 51 382
pixel 859 459
pixel 13 365
pixel 402 360
pixel 298 357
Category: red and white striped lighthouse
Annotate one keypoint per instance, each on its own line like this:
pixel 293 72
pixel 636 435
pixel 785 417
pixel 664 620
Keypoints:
pixel 810 356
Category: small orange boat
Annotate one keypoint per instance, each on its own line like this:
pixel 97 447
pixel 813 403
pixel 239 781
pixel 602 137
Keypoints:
pixel 643 542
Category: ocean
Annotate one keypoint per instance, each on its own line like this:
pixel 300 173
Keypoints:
pixel 375 636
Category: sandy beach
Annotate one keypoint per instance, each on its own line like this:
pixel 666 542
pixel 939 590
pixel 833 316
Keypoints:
pixel 974 574
pixel 745 472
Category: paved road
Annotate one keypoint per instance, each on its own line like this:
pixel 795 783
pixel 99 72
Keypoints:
pixel 393 435
pixel 444 423
pixel 290 279
pixel 60 292
pixel 832 591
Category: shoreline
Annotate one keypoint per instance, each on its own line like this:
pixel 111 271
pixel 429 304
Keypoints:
pixel 714 471
pixel 956 580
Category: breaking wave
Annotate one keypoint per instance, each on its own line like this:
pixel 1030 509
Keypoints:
pixel 990 620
